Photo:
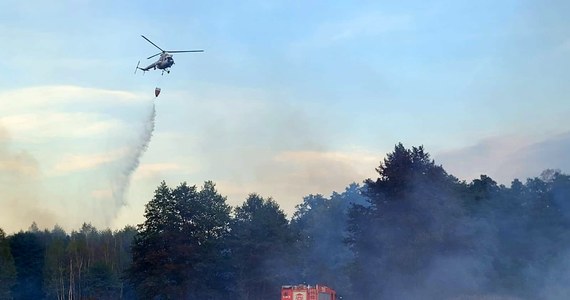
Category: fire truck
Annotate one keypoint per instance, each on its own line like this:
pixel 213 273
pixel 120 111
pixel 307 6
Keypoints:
pixel 307 292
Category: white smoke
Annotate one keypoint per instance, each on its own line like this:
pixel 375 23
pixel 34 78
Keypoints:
pixel 20 179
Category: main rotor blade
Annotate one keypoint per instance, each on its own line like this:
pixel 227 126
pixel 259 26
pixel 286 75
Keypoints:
pixel 154 55
pixel 185 51
pixel 144 37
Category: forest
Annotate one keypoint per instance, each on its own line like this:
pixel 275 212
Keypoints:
pixel 414 232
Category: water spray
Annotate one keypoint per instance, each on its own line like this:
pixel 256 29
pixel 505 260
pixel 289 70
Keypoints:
pixel 133 156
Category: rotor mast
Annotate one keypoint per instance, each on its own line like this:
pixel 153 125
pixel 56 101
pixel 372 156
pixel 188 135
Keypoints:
pixel 169 51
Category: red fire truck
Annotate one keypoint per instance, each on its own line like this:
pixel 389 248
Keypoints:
pixel 307 292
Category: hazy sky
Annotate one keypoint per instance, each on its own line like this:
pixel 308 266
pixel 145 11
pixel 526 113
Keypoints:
pixel 290 98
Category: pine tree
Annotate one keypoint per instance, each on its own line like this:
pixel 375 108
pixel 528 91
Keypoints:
pixel 262 248
pixel 177 250
pixel 413 214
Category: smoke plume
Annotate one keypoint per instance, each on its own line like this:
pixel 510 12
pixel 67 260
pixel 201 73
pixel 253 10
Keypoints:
pixel 20 178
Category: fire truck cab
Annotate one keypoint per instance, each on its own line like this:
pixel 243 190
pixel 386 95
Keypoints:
pixel 307 292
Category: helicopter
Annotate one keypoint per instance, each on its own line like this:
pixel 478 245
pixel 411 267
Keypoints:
pixel 164 62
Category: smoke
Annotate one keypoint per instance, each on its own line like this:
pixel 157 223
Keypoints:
pixel 20 178
pixel 131 160
pixel 437 238
pixel 67 154
pixel 506 157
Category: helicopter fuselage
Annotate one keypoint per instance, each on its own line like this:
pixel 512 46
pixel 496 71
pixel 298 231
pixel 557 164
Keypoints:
pixel 164 62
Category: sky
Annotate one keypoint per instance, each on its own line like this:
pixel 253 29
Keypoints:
pixel 290 98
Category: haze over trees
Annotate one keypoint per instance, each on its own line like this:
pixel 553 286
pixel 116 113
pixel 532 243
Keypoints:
pixel 414 232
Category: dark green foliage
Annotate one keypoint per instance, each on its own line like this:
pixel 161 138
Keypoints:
pixel 178 250
pixel 86 264
pixel 415 232
pixel 28 252
pixel 483 189
pixel 123 259
pixel 533 225
pixel 56 263
pixel 7 268
pixel 262 249
pixel 158 261
pixel 427 235
pixel 321 225
pixel 414 214
pixel 101 282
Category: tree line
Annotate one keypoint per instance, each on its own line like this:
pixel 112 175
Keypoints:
pixel 414 232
